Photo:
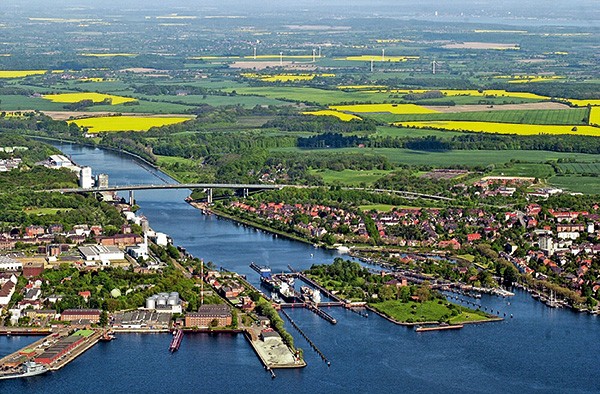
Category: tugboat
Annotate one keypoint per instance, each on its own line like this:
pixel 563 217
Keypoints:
pixel 30 368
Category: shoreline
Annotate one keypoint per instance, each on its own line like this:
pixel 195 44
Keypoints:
pixel 405 324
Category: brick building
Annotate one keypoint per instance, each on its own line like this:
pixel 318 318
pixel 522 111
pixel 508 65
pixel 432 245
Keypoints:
pixel 206 314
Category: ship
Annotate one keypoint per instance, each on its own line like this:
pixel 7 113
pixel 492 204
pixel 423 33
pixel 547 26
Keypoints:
pixel 270 283
pixel 311 295
pixel 287 292
pixel 176 341
pixel 30 368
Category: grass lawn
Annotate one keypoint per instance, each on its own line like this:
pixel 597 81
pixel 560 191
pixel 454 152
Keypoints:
pixel 377 207
pixel 468 257
pixel 426 311
pixel 351 177
pixel 45 211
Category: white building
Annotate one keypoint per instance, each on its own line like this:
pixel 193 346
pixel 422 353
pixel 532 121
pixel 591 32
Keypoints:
pixel 8 264
pixel 101 253
pixel 140 250
pixel 547 245
pixel 86 181
pixel 568 235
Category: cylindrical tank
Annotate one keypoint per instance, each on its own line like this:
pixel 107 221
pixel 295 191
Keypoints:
pixel 161 301
pixel 151 302
pixel 172 301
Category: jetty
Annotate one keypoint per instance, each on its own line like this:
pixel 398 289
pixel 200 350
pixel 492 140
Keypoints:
pixel 440 327
pixel 54 351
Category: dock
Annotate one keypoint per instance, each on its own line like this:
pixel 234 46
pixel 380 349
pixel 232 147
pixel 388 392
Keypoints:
pixel 439 327
pixel 54 351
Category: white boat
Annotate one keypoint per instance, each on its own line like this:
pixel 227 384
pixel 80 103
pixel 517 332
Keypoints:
pixel 30 368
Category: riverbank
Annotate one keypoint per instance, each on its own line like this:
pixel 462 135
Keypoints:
pixel 250 223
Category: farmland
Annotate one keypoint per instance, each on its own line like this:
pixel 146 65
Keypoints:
pixel 390 108
pixel 94 97
pixel 577 116
pixel 504 128
pixel 5 74
pixel 126 123
pixel 340 115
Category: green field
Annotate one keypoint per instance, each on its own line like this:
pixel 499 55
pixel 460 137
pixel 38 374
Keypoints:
pixel 580 168
pixel 350 177
pixel 377 207
pixel 577 184
pixel 457 157
pixel 390 131
pixel 428 311
pixel 536 170
pixel 575 116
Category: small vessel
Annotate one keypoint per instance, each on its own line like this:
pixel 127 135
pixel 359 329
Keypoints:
pixel 30 368
pixel 311 295
pixel 107 336
pixel 176 340
pixel 552 302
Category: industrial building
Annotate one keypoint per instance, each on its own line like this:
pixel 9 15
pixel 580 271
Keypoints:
pixel 8 264
pixel 102 180
pixel 164 303
pixel 83 315
pixel 86 181
pixel 101 253
pixel 207 314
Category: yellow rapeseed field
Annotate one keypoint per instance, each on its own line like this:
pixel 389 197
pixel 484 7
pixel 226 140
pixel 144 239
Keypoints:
pixel 504 128
pixel 361 87
pixel 108 54
pixel 391 108
pixel 24 73
pixel 126 123
pixel 284 77
pixel 378 58
pixel 213 57
pixel 95 97
pixel 327 112
pixel 529 78
pixel 595 116
pixel 583 103
pixel 281 56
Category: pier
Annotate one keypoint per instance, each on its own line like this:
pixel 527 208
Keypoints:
pixel 311 343
pixel 54 351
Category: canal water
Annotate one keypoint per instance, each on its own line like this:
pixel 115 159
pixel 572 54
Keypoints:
pixel 540 350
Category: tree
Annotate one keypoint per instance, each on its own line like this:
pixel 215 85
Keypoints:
pixel 103 319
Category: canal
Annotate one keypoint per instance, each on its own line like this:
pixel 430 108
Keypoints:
pixel 540 350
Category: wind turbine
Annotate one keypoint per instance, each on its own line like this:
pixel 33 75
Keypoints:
pixel 314 54
pixel 319 51
pixel 371 65
pixel 383 55
pixel 433 64
pixel 254 52
pixel 281 59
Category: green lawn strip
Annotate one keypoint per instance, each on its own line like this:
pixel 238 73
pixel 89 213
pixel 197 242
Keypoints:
pixel 428 311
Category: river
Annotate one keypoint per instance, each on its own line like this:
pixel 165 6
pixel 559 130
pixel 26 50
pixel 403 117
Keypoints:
pixel 540 350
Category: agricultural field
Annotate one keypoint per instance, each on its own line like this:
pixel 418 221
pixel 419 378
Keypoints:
pixel 378 58
pixel 94 97
pixel 6 74
pixel 535 170
pixel 529 78
pixel 379 108
pixel 393 131
pixel 567 117
pixel 285 77
pixel 108 54
pixel 577 183
pixel 327 112
pixel 126 123
pixel 595 116
pixel 351 177
pixel 505 128
pixel 458 157
pixel 580 168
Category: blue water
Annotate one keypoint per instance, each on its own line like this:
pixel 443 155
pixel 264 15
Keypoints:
pixel 540 350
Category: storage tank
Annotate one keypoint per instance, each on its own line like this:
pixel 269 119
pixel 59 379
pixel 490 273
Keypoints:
pixel 161 301
pixel 151 302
